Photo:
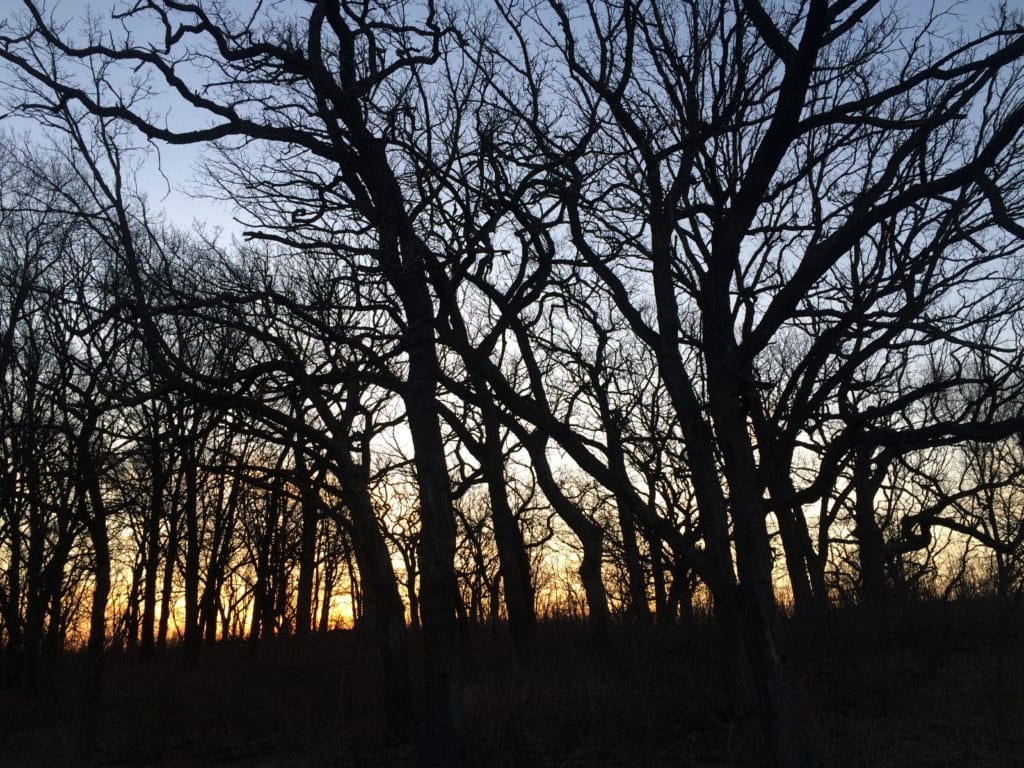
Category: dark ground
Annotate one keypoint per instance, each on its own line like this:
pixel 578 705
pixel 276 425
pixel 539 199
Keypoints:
pixel 945 689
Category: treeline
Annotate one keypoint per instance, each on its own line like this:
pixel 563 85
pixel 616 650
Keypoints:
pixel 627 310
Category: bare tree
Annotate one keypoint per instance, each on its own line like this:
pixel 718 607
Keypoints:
pixel 804 217
pixel 735 176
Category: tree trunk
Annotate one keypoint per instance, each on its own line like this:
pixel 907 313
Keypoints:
pixel 192 639
pixel 780 713
pixel 875 591
pixel 598 614
pixel 261 587
pixel 809 595
pixel 131 618
pixel 794 550
pixel 307 547
pixel 93 509
pixel 35 603
pixel 220 552
pixel 442 745
pixel 324 623
pixel 639 610
pixel 411 574
pixel 661 608
pixel 512 557
pixel 13 619
pixel 591 538
pixel 383 613
pixel 167 585
pixel 152 539
pixel 98 612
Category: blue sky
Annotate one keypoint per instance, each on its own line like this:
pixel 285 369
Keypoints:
pixel 166 182
pixel 168 173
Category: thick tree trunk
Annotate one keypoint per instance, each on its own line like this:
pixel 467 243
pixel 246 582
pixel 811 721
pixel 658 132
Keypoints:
pixel 53 642
pixel 779 709
pixel 777 702
pixel 809 593
pixel 717 570
pixel 277 576
pixel 307 566
pixel 875 591
pixel 639 610
pixel 131 617
pixel 92 511
pixel 816 572
pixel 220 553
pixel 383 613
pixel 442 744
pixel 261 587
pixel 406 260
pixel 794 550
pixel 209 600
pixel 591 538
pixel 680 597
pixel 255 616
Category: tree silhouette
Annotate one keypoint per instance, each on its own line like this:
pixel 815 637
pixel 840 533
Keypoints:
pixel 733 262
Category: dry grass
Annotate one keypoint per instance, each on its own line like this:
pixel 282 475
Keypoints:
pixel 945 689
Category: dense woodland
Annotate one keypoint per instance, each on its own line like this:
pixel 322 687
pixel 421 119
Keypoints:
pixel 684 313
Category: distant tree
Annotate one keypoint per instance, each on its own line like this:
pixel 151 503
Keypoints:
pixel 38 526
pixel 972 490
pixel 995 514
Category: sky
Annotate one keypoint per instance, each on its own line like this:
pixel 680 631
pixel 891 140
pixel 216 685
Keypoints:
pixel 168 176
pixel 169 173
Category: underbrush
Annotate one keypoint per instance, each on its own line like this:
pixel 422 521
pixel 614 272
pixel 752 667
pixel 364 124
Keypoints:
pixel 942 686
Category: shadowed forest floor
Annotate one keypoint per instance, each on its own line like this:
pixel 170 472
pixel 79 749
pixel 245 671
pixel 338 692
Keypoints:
pixel 946 688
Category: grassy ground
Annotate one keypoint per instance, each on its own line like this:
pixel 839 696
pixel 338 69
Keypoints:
pixel 945 688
